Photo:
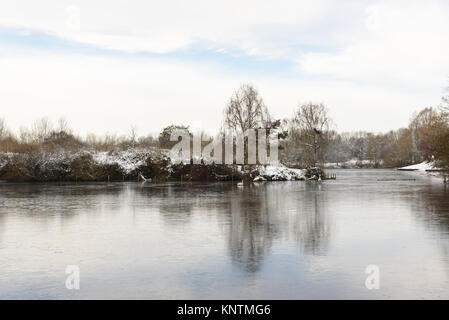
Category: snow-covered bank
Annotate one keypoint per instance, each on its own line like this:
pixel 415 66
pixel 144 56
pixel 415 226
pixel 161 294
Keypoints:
pixel 83 165
pixel 354 164
pixel 119 165
pixel 127 160
pixel 279 173
pixel 427 168
pixel 423 166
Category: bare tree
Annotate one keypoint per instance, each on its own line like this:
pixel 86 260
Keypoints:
pixel 63 126
pixel 41 129
pixel 246 110
pixel 132 135
pixel 312 125
pixel 3 129
pixel 445 104
pixel 24 135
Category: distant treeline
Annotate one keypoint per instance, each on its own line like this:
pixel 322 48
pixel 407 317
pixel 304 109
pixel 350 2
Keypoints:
pixel 44 135
pixel 425 139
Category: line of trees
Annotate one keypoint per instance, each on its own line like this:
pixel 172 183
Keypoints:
pixel 425 139
pixel 43 135
pixel 307 139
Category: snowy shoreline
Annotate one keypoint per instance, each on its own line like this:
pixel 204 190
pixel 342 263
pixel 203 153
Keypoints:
pixel 427 168
pixel 126 165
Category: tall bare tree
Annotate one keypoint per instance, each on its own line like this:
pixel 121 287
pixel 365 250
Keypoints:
pixel 246 110
pixel 311 125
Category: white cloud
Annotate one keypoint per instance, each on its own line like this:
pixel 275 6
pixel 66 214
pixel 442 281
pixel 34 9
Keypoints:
pixel 404 44
pixel 168 25
pixel 109 94
pixel 372 62
pixel 105 94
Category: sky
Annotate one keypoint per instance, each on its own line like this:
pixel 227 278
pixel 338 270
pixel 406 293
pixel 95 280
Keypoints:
pixel 108 65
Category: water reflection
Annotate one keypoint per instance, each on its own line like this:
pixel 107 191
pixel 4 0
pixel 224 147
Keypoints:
pixel 313 221
pixel 431 206
pixel 431 209
pixel 251 228
pixel 264 213
pixel 2 227
pixel 274 238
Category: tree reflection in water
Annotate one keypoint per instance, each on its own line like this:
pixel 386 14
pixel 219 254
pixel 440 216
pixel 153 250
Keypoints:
pixel 261 214
pixel 431 209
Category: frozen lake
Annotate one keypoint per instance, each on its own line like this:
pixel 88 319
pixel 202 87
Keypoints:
pixel 274 240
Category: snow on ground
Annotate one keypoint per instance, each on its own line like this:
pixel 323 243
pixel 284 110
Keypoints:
pixel 127 160
pixel 280 172
pixel 5 158
pixel 131 159
pixel 423 166
pixel 356 161
pixel 426 168
pixel 353 163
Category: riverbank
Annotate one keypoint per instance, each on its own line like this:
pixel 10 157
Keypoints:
pixel 427 168
pixel 354 164
pixel 126 165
